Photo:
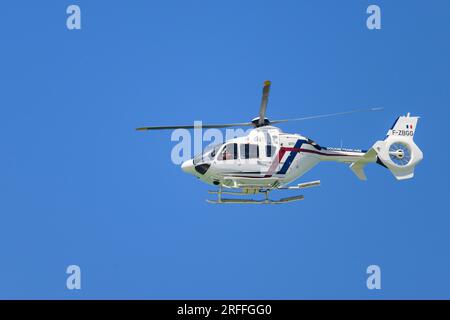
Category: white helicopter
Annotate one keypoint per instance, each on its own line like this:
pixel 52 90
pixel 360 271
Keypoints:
pixel 268 159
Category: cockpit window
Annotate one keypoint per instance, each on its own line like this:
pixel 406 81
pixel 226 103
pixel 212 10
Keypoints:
pixel 249 151
pixel 229 152
pixel 208 154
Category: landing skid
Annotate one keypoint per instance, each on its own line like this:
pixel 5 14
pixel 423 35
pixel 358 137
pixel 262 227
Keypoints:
pixel 266 200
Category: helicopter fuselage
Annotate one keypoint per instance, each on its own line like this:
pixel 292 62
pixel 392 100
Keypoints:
pixel 266 158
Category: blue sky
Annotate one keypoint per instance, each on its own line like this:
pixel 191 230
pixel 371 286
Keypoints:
pixel 79 186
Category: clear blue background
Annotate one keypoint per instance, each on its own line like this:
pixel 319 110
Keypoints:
pixel 79 186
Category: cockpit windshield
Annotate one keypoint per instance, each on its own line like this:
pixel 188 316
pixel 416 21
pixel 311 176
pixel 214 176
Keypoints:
pixel 208 154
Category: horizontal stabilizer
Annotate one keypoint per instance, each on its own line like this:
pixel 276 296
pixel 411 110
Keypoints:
pixel 358 166
pixel 358 169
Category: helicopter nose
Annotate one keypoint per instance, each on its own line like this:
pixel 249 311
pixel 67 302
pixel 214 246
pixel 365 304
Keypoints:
pixel 188 166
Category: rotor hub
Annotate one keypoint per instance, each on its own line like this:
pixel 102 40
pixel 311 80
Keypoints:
pixel 256 123
pixel 400 154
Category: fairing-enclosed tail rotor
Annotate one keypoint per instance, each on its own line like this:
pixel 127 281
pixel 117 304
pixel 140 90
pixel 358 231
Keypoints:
pixel 398 152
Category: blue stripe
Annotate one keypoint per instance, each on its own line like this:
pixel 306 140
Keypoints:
pixel 291 157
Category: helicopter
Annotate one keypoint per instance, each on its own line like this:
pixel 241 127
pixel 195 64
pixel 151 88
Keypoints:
pixel 268 159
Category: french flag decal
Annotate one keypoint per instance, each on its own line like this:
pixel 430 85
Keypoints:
pixel 409 126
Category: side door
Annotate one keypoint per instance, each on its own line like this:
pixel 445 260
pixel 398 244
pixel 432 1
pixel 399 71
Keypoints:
pixel 249 155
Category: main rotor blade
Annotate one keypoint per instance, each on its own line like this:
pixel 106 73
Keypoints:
pixel 326 115
pixel 205 126
pixel 265 99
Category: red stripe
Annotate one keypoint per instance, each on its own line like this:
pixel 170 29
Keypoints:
pixel 321 153
pixel 283 150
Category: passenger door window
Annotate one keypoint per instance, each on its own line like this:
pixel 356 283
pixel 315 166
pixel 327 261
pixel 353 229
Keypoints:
pixel 270 151
pixel 249 151
pixel 229 152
